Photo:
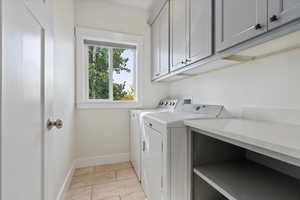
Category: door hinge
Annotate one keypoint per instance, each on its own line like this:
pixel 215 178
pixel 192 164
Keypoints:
pixel 161 182
pixel 162 147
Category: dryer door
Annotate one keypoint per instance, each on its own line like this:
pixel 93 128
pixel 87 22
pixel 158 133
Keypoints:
pixel 152 163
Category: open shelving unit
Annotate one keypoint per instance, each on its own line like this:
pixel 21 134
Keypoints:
pixel 228 172
pixel 246 180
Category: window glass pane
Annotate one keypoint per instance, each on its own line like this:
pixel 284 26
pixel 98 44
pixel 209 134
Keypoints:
pixel 123 74
pixel 98 66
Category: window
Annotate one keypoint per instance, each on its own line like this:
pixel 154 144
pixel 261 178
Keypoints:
pixel 108 71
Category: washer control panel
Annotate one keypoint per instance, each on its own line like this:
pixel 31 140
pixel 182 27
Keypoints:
pixel 207 109
pixel 168 103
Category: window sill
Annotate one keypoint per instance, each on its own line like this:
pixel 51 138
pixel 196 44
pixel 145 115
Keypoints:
pixel 108 105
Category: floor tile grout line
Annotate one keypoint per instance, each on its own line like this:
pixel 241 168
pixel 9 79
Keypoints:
pixel 113 181
pixel 98 172
pixel 92 191
pixel 114 171
pixel 120 196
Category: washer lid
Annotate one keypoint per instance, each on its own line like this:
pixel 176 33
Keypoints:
pixel 174 119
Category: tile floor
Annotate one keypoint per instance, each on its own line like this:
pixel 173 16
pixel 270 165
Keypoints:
pixel 105 182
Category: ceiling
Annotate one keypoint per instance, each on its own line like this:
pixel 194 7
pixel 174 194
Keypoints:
pixel 144 4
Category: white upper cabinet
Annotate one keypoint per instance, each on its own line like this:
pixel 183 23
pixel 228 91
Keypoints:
pixel 160 44
pixel 282 11
pixel 190 33
pixel 239 20
pixel 179 49
pixel 200 29
pixel 155 50
pixel 164 40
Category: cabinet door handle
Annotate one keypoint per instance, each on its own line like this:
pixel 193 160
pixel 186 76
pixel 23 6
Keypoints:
pixel 144 146
pixel 188 60
pixel 258 26
pixel 274 18
pixel 57 124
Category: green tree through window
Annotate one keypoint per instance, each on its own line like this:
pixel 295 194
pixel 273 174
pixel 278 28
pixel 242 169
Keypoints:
pixel 99 75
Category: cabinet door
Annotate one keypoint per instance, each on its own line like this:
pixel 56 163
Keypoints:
pixel 283 11
pixel 135 144
pixel 200 30
pixel 179 163
pixel 155 49
pixel 161 44
pixel 178 33
pixel 239 20
pixel 164 40
pixel 152 164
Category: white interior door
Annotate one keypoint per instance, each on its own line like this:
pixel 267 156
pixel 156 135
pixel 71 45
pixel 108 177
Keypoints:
pixel 26 97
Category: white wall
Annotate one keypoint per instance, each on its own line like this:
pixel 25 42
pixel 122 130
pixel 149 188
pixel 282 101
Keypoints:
pixel 270 82
pixel 61 153
pixel 106 131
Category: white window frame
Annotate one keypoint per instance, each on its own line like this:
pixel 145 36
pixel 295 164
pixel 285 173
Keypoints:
pixel 82 98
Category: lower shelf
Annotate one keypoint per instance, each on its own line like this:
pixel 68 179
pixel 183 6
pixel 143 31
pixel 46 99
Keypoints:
pixel 246 180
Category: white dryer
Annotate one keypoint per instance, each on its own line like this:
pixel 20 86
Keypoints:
pixel 136 130
pixel 166 153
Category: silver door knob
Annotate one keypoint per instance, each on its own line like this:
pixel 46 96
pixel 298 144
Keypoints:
pixel 58 124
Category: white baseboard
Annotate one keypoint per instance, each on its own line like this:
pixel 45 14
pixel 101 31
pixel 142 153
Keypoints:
pixel 100 160
pixel 66 183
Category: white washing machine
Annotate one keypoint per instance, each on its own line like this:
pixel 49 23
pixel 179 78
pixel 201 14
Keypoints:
pixel 166 153
pixel 136 130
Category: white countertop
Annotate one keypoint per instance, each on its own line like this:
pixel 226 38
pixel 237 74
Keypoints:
pixel 276 137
